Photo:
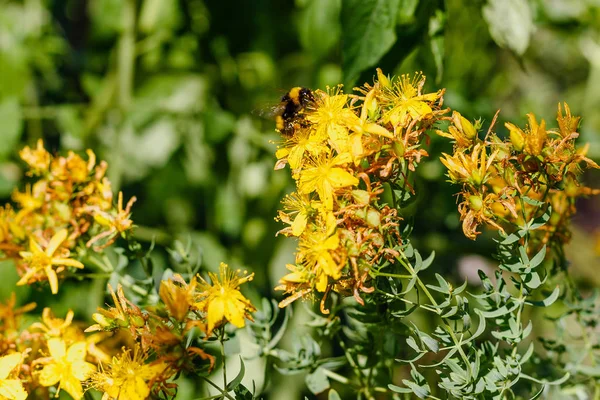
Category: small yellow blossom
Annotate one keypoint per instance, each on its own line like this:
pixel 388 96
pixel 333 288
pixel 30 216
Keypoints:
pixel 223 301
pixel 71 168
pixel 298 208
pixel 462 131
pixel 296 147
pixel 52 326
pixel 11 389
pixel 532 140
pixel 127 376
pixel 324 176
pixel 38 159
pixel 473 168
pixel 315 251
pixel 39 260
pixel 331 116
pixel 67 367
pixel 178 296
pixel 408 102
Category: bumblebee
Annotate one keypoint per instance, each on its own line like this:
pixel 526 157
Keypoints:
pixel 288 114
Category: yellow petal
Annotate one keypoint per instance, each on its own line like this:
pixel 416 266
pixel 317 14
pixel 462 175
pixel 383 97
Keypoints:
pixel 8 363
pixel 82 370
pixel 235 313
pixel 76 351
pixel 378 130
pixel 134 389
pixel 12 389
pixel 50 375
pixel 52 278
pixel 321 282
pixel 341 178
pixel 57 348
pixel 67 261
pixel 216 312
pixel 56 241
pixel 299 224
pixel 71 385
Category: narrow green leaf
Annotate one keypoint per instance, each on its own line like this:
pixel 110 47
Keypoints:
pixel 368 32
pixel 238 379
pixel 399 389
pixel 538 258
pixel 548 301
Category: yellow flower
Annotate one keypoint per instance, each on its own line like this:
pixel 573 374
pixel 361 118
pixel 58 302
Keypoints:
pixel 11 389
pixel 40 260
pixel 223 301
pixel 67 367
pixel 407 101
pixel 331 116
pixel 461 131
pixel 178 296
pixel 295 148
pixel 73 167
pixel 38 159
pixel 315 251
pixel 532 140
pixel 30 200
pixel 473 168
pixel 52 326
pixel 299 209
pixel 324 176
pixel 127 376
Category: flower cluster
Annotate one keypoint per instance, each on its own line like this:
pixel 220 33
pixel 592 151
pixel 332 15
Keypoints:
pixel 162 331
pixel 55 354
pixel 46 357
pixel 344 151
pixel 67 208
pixel 508 182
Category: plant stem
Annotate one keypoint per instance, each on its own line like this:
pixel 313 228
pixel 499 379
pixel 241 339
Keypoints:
pixel 458 345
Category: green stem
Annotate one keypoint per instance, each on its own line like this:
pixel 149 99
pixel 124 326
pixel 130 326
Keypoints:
pixel 222 341
pixel 223 392
pixel 421 284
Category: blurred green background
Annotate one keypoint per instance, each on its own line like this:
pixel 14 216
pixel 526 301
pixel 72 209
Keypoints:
pixel 165 90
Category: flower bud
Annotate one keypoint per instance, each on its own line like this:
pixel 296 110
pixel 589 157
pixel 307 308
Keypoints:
pixel 399 149
pixel 476 202
pixel 468 128
pixel 373 218
pixel 361 196
pixel 102 320
pixel 383 79
pixel 517 139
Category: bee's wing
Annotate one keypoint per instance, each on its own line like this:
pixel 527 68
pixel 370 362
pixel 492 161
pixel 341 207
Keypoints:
pixel 269 112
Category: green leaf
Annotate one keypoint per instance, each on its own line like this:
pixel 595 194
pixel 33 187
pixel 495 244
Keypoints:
pixel 368 32
pixel 510 23
pixel 548 301
pixel 333 395
pixel 319 26
pixel 421 391
pixel 242 393
pixel 538 258
pixel 238 379
pixel 10 115
pixel 399 389
pixel 317 382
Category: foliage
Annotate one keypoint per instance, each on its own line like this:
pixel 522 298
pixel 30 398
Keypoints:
pixel 387 298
